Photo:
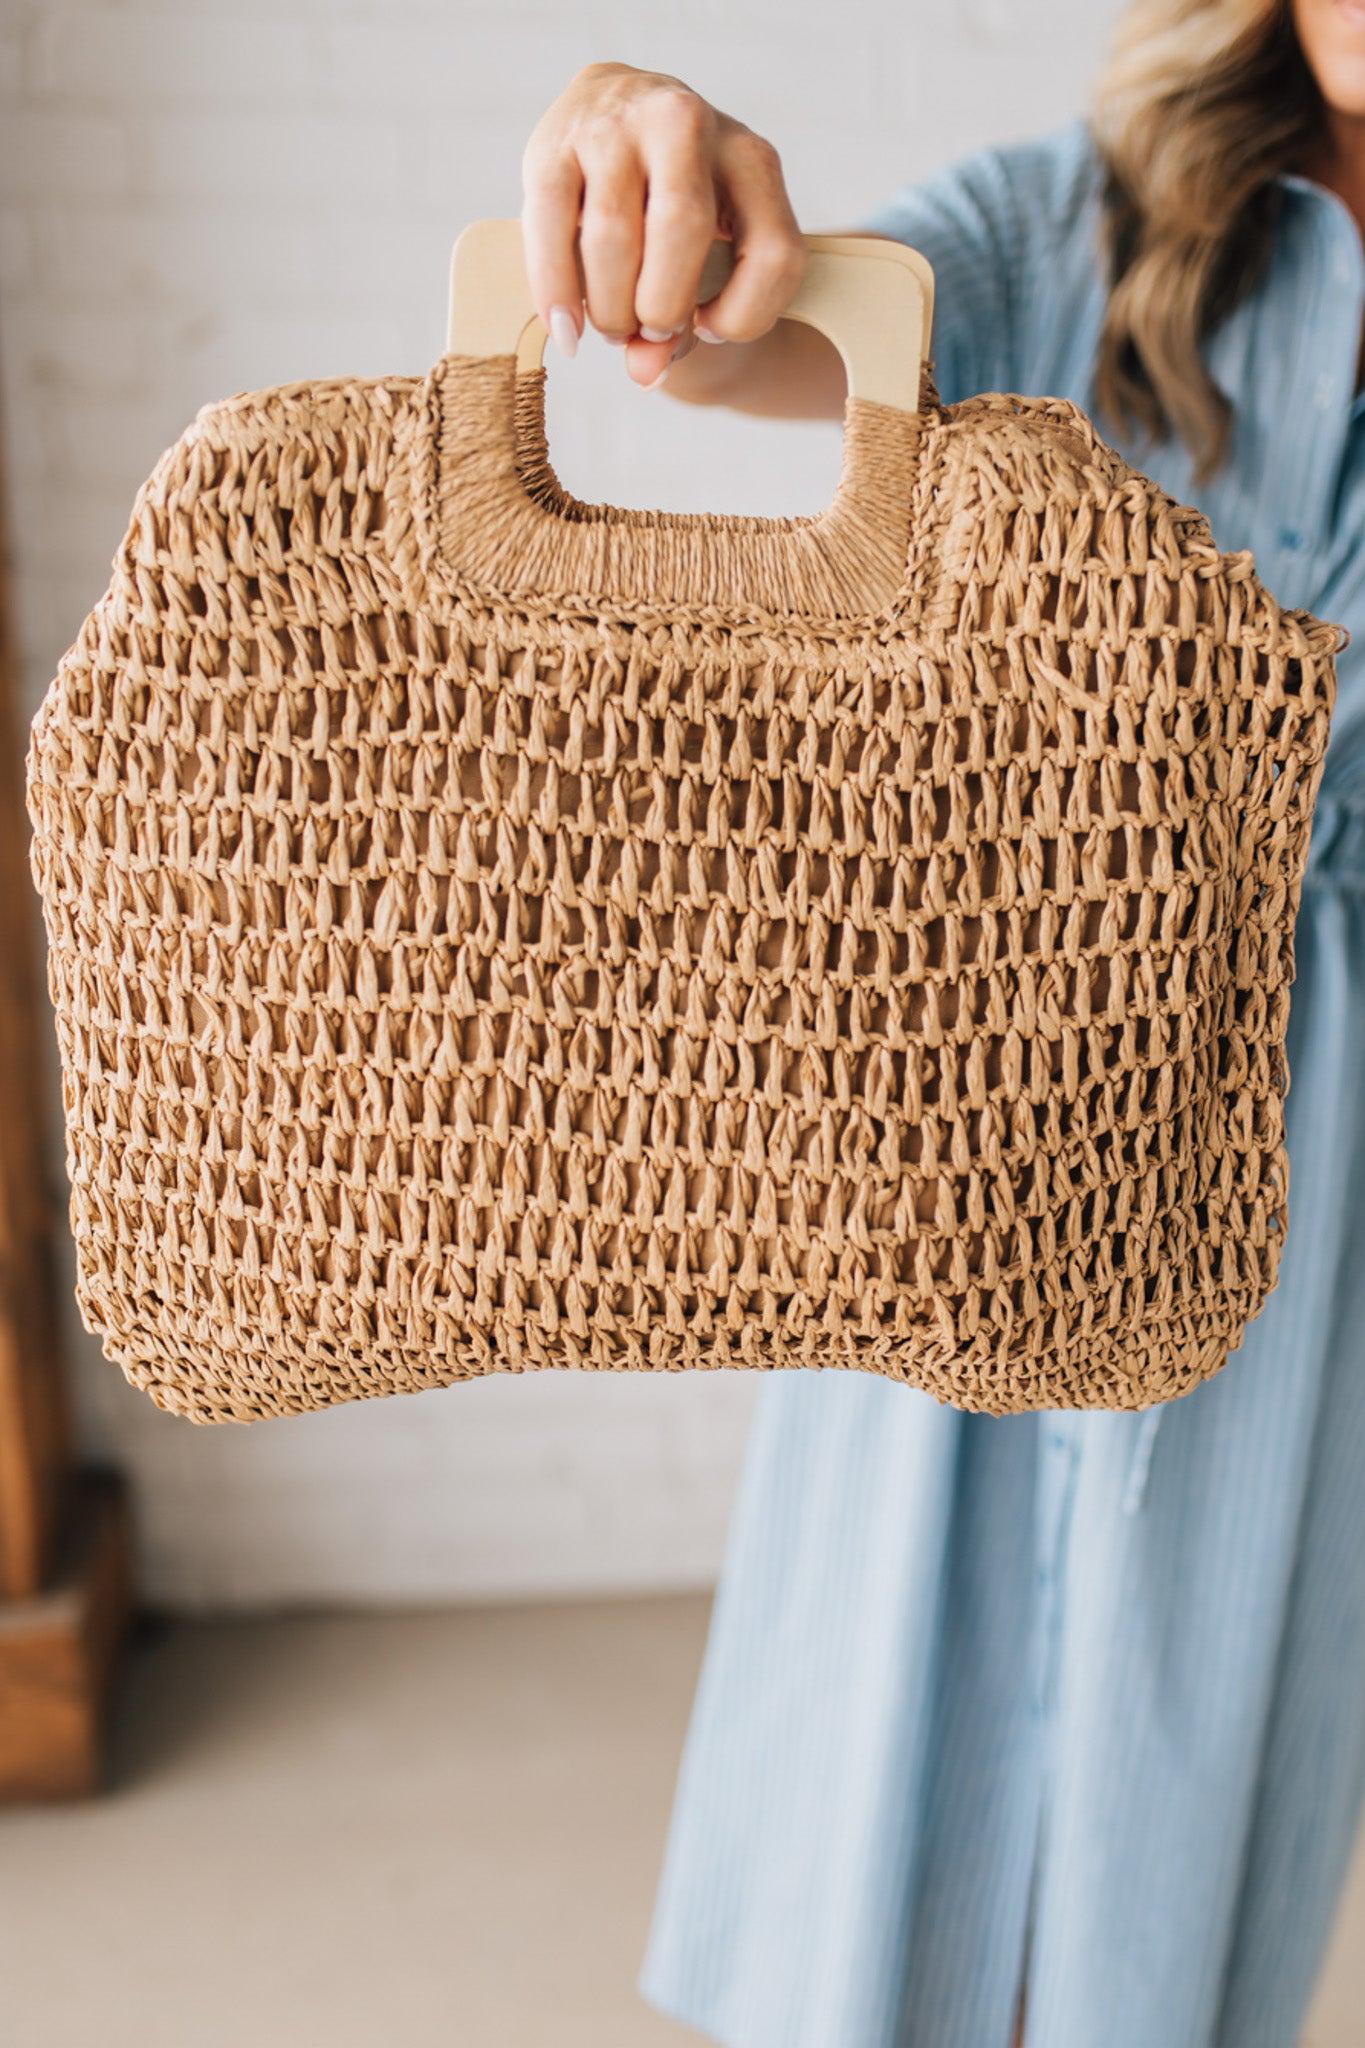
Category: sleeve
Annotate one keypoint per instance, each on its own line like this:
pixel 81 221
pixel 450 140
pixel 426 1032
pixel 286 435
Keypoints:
pixel 974 221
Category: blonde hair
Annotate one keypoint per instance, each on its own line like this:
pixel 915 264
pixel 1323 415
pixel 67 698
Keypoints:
pixel 1202 104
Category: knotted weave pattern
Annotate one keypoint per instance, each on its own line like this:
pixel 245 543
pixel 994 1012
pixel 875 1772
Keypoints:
pixel 490 931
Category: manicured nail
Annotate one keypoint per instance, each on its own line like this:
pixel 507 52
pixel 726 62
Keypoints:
pixel 658 380
pixel 659 333
pixel 564 330
pixel 705 334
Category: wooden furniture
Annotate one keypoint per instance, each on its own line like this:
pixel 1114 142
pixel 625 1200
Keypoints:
pixel 65 1579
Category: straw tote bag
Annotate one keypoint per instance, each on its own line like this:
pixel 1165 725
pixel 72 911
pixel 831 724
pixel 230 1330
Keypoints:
pixel 492 931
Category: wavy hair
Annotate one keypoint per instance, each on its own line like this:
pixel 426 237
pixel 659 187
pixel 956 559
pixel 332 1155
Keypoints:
pixel 1203 103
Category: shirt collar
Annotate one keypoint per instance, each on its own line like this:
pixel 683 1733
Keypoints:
pixel 1329 203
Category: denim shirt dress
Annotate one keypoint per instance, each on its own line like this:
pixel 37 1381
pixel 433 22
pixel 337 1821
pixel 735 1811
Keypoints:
pixel 1077 1698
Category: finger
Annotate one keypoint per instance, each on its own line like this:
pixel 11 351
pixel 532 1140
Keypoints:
pixel 680 215
pixel 648 362
pixel 611 234
pixel 770 257
pixel 549 228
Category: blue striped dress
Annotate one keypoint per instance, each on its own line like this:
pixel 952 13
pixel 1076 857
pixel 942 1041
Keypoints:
pixel 1074 1697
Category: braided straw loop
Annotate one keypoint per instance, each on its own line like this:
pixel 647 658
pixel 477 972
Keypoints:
pixel 490 932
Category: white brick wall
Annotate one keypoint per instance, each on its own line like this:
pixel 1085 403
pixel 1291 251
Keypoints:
pixel 200 197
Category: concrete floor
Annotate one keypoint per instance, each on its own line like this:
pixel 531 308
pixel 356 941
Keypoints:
pixel 383 1831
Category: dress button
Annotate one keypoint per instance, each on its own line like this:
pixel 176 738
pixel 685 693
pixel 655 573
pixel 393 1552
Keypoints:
pixel 1290 538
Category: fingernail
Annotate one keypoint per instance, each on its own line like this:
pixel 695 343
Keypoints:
pixel 659 333
pixel 658 380
pixel 616 340
pixel 705 334
pixel 564 330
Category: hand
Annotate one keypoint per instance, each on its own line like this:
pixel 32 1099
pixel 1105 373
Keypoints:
pixel 643 175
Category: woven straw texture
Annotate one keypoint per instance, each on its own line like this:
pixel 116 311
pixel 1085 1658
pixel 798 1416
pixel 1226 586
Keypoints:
pixel 490 931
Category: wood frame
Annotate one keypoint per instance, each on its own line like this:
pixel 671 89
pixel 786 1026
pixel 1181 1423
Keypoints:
pixel 872 297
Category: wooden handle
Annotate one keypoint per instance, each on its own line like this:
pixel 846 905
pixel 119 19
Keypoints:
pixel 874 299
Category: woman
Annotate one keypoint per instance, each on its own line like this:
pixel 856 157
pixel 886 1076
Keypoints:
pixel 1061 1698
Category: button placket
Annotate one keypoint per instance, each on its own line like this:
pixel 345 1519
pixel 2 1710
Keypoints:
pixel 1329 322
pixel 1058 1461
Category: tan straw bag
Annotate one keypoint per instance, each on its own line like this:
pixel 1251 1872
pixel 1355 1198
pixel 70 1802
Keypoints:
pixel 490 931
